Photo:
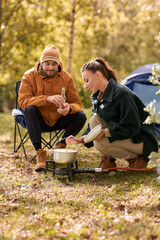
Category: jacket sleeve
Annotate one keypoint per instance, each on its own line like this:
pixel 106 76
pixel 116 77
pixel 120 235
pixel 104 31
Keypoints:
pixel 72 97
pixel 129 123
pixel 26 94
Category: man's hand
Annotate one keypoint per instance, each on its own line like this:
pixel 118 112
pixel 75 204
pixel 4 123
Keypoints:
pixel 64 110
pixel 58 100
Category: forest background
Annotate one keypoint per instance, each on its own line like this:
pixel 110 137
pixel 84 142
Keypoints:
pixel 125 33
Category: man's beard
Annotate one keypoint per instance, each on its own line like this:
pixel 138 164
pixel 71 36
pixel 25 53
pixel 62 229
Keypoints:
pixel 44 73
pixel 51 73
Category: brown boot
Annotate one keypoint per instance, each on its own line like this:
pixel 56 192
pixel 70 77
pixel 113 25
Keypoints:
pixel 41 160
pixel 60 145
pixel 107 163
pixel 139 162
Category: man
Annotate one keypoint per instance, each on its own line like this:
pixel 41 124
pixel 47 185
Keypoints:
pixel 45 108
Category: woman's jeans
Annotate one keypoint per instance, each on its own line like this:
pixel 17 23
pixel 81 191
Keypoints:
pixel 118 149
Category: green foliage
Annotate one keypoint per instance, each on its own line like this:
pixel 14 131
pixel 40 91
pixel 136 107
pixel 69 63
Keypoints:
pixel 124 32
pixel 151 109
pixel 1 98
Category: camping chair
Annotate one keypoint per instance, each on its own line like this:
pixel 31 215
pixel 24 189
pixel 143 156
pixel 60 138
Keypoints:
pixel 138 82
pixel 19 119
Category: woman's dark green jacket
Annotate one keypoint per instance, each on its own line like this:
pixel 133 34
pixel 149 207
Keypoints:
pixel 123 111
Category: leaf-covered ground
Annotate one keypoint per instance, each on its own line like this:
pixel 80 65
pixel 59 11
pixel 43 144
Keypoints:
pixel 125 205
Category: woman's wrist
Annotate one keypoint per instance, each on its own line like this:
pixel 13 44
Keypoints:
pixel 82 139
pixel 107 133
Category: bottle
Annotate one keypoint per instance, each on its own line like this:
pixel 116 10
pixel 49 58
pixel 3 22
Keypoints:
pixel 63 94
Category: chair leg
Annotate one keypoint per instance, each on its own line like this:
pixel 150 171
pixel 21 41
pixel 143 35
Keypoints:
pixel 45 143
pixel 52 140
pixel 57 135
pixel 15 129
pixel 22 141
pixel 32 158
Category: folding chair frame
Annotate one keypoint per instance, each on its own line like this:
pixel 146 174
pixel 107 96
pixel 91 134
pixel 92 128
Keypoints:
pixel 23 139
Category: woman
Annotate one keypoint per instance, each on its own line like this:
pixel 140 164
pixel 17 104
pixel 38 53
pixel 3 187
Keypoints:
pixel 120 112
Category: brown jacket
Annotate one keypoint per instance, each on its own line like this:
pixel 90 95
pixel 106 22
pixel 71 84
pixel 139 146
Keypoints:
pixel 35 88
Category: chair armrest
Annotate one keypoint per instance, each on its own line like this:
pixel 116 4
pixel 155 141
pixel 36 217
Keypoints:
pixel 17 112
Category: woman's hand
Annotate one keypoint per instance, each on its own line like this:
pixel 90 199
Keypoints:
pixel 73 140
pixel 100 136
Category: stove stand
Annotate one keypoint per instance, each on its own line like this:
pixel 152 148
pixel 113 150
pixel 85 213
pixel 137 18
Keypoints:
pixel 70 170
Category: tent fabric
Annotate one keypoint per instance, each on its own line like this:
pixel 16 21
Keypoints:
pixel 138 82
pixel 144 70
pixel 140 75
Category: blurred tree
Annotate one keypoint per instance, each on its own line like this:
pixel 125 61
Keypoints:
pixel 125 33
pixel 21 30
pixel 71 37
pixel 122 32
pixel 1 99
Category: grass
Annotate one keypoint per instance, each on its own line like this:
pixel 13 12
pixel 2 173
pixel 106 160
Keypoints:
pixel 33 205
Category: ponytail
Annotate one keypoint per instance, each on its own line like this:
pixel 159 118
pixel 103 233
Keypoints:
pixel 100 65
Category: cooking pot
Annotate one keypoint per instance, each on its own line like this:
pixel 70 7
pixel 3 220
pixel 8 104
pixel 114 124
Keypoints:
pixel 64 155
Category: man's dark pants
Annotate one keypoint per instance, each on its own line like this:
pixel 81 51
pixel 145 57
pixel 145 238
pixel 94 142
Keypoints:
pixel 72 123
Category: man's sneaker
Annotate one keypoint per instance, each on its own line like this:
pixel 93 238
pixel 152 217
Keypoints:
pixel 107 163
pixel 139 162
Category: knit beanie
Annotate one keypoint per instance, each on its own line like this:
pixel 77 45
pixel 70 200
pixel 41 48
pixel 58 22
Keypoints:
pixel 50 53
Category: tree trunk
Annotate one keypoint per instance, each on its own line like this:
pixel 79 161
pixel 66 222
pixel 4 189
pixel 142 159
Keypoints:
pixel 71 36
pixel 0 29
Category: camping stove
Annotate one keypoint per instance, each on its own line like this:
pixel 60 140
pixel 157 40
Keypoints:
pixel 69 170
